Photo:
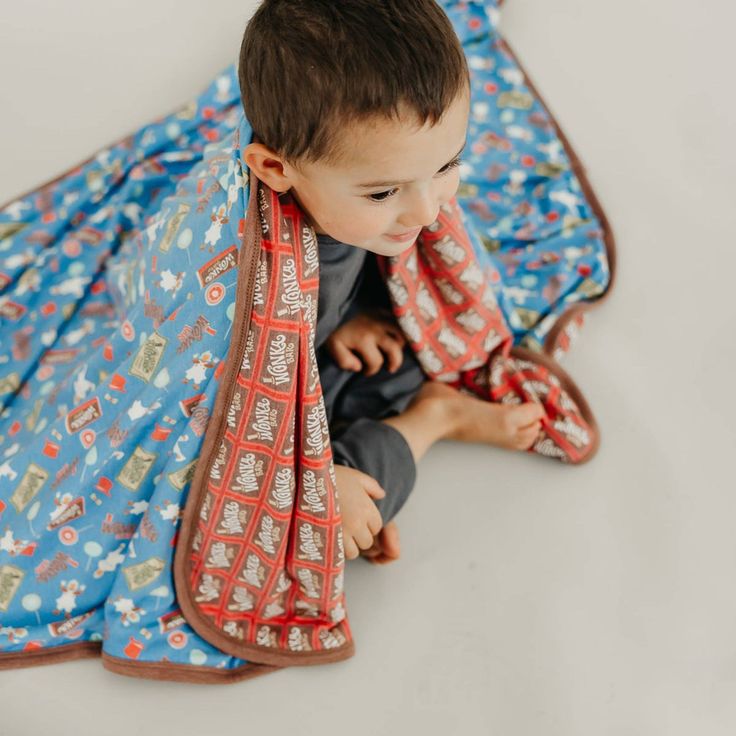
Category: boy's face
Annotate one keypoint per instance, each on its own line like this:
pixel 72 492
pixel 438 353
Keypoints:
pixel 407 167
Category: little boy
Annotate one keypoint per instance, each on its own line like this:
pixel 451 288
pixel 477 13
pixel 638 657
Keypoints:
pixel 361 107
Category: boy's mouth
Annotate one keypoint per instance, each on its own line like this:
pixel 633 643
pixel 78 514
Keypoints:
pixel 403 237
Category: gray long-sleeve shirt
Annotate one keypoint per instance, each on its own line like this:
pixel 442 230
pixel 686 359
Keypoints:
pixel 355 403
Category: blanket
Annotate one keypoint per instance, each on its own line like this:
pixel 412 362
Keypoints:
pixel 167 491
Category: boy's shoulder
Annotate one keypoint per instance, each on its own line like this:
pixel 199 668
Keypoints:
pixel 334 253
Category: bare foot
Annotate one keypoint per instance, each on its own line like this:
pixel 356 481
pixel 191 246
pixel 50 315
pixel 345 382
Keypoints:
pixel 470 419
pixel 385 546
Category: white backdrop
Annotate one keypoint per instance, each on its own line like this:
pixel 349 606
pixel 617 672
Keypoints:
pixel 573 601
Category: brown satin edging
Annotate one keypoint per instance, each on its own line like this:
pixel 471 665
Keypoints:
pixel 608 237
pixel 171 672
pixel 50 655
pixel 571 387
pixel 247 268
pixel 131 668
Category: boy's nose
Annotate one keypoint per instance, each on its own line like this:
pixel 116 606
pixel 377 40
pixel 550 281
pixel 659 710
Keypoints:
pixel 425 211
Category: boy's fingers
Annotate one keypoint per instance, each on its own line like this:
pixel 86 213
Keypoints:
pixel 394 333
pixel 373 489
pixel 375 522
pixel 394 353
pixel 351 549
pixel 364 538
pixel 399 337
pixel 344 357
pixel 372 357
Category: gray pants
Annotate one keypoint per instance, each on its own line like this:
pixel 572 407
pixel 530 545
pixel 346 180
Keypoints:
pixel 355 404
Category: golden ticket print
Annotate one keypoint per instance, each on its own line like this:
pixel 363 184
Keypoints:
pixel 30 484
pixel 144 573
pixel 136 468
pixel 10 579
pixel 148 357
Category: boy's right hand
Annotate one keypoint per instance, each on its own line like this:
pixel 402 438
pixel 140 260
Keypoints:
pixel 368 337
pixel 361 520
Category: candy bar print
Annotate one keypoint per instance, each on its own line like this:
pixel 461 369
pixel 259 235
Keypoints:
pixel 167 490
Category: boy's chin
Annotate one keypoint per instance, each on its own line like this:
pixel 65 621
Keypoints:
pixel 380 245
pixel 387 248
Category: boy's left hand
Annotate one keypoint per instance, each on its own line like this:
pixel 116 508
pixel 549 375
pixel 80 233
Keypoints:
pixel 367 336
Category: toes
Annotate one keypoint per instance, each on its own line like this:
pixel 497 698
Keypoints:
pixel 385 547
pixel 373 550
pixel 528 413
pixel 390 539
pixel 527 438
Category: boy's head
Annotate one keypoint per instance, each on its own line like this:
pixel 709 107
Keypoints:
pixel 347 93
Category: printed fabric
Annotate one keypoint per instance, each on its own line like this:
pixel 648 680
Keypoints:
pixel 167 491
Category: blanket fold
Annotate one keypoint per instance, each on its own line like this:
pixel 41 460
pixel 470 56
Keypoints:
pixel 280 599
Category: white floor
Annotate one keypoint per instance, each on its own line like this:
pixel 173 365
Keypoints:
pixel 531 598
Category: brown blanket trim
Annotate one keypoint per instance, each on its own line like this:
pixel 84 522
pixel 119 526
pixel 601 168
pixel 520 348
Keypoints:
pixel 575 310
pixel 171 672
pixel 39 657
pixel 247 269
pixel 146 670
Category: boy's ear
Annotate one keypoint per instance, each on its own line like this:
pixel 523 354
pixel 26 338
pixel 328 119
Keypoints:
pixel 269 168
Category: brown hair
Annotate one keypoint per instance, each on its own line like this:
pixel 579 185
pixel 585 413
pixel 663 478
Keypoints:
pixel 309 67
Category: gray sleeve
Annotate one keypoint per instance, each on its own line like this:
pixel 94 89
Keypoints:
pixel 381 451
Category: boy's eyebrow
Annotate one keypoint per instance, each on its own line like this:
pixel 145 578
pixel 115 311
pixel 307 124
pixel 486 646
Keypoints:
pixel 405 181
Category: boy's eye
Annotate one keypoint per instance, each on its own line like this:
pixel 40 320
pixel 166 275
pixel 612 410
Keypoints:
pixel 382 196
pixel 451 165
pixel 385 196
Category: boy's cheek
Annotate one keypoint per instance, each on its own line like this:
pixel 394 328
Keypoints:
pixel 453 184
pixel 353 226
